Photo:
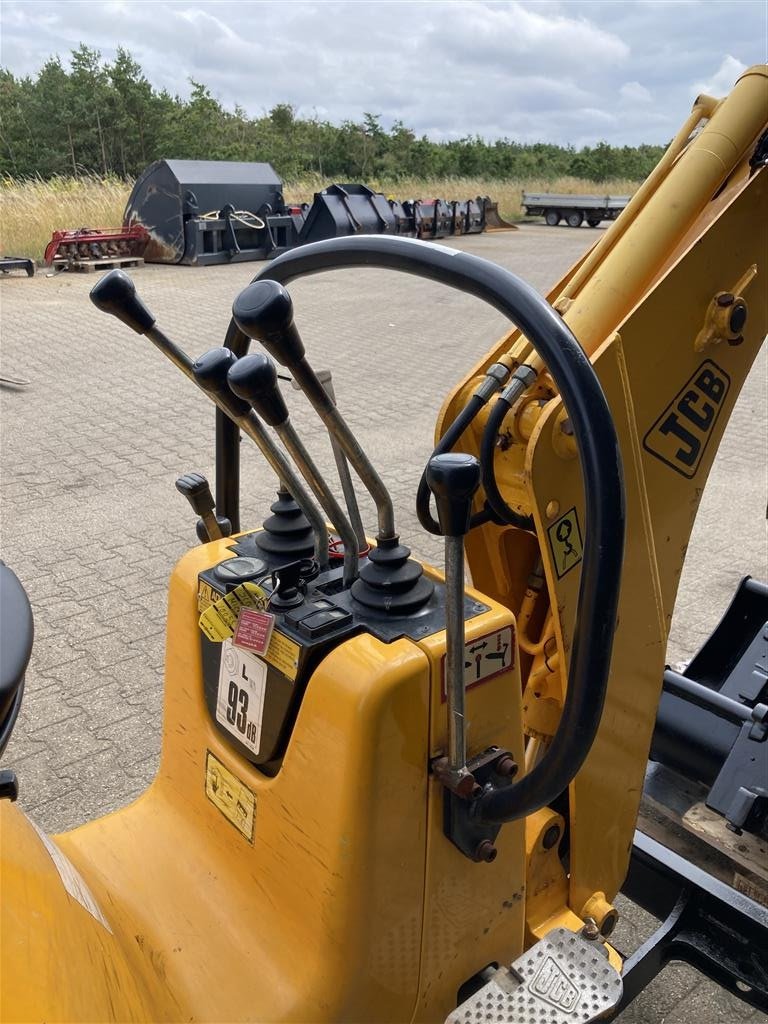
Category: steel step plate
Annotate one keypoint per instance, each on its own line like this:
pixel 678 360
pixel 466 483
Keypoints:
pixel 563 979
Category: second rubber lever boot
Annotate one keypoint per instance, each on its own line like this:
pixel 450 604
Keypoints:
pixel 197 491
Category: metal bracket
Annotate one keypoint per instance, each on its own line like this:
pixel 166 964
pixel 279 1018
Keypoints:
pixel 707 924
pixel 475 839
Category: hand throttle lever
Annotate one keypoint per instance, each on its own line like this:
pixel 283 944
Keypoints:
pixel 454 479
pixel 197 491
pixel 253 378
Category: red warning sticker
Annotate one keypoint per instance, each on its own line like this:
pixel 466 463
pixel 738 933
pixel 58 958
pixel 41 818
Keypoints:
pixel 254 630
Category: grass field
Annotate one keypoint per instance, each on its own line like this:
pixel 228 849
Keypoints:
pixel 30 210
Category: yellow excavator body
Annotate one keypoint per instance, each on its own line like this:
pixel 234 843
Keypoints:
pixel 322 886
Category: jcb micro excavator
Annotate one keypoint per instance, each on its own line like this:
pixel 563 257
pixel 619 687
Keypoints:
pixel 383 796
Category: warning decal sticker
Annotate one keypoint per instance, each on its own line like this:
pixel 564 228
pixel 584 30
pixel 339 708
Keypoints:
pixel 206 595
pixel 485 657
pixel 219 620
pixel 283 653
pixel 565 542
pixel 231 796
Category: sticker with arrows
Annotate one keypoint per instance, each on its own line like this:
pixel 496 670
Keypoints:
pixel 485 657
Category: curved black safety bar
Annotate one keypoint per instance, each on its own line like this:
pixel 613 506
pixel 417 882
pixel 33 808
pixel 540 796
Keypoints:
pixel 598 447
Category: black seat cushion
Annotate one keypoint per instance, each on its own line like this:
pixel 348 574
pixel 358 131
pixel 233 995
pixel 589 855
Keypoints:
pixel 16 633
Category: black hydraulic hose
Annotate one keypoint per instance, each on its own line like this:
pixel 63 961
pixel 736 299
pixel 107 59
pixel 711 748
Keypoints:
pixel 597 444
pixel 446 442
pixel 493 497
pixel 491 511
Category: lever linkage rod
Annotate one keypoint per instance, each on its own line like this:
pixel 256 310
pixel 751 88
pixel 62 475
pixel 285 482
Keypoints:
pixel 264 312
pixel 390 581
pixel 116 294
pixel 253 379
pixel 454 479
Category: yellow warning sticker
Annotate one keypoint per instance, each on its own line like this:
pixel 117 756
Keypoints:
pixel 219 619
pixel 565 542
pixel 206 595
pixel 231 796
pixel 283 653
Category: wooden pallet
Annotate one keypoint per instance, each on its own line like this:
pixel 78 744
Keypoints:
pixel 91 266
pixel 673 812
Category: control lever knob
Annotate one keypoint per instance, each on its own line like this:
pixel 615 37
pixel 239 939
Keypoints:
pixel 264 312
pixel 115 293
pixel 254 378
pixel 210 371
pixel 197 491
pixel 453 479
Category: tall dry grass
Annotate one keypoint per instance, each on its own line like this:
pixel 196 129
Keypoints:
pixel 31 210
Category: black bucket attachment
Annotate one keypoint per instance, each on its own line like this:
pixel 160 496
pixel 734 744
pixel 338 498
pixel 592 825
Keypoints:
pixel 469 217
pixel 347 210
pixel 211 211
pixel 200 212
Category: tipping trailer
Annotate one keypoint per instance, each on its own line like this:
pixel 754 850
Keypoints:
pixel 574 210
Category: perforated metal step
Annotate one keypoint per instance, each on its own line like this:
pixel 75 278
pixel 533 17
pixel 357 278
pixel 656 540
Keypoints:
pixel 563 979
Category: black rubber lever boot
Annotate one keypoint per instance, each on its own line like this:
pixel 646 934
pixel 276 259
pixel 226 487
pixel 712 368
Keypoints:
pixel 116 294
pixel 453 478
pixel 288 531
pixel 197 491
pixel 254 379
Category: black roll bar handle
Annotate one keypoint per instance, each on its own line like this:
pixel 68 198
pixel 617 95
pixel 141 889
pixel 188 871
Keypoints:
pixel 598 447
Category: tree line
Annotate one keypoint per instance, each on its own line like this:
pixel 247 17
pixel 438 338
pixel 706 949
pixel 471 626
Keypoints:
pixel 105 118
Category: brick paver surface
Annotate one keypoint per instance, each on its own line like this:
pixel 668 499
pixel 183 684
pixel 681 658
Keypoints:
pixel 92 523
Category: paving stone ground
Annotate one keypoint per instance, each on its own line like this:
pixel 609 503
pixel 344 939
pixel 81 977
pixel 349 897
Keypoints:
pixel 92 524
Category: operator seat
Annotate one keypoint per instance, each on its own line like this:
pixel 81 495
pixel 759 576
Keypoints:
pixel 16 634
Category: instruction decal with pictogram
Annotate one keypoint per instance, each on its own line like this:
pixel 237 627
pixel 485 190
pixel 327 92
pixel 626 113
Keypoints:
pixel 566 543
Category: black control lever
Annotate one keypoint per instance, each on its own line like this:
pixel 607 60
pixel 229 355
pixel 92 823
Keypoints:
pixel 253 378
pixel 210 374
pixel 454 479
pixel 116 294
pixel 390 581
pixel 264 312
pixel 197 491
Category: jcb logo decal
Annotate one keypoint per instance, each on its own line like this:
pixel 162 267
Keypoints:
pixel 680 435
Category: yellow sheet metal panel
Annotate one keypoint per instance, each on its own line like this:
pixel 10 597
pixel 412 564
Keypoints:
pixel 473 913
pixel 60 958
pixel 320 916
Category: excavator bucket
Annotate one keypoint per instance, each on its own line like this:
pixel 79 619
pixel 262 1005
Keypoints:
pixel 493 219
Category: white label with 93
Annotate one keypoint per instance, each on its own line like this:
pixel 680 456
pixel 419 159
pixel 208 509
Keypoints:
pixel 240 702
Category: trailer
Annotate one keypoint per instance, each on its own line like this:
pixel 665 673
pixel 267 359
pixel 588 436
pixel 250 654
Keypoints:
pixel 573 209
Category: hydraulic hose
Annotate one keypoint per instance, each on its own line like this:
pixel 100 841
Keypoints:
pixel 446 442
pixel 497 510
pixel 521 379
pixel 597 444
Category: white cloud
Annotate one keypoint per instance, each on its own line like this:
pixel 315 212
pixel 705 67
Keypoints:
pixel 633 92
pixel 723 79
pixel 566 71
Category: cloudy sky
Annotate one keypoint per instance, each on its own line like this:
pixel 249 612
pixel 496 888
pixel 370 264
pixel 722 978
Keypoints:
pixel 566 72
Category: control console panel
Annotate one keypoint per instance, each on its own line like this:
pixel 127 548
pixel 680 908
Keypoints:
pixel 254 698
